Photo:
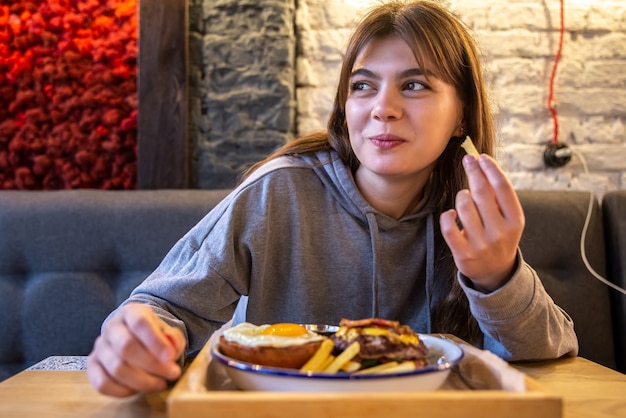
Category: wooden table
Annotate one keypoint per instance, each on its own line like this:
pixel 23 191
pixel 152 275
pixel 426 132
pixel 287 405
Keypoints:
pixel 588 389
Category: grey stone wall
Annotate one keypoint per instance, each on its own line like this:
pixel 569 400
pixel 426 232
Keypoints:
pixel 241 85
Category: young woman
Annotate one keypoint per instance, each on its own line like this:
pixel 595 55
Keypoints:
pixel 383 216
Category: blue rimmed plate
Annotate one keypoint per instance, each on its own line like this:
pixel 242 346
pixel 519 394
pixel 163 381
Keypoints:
pixel 443 355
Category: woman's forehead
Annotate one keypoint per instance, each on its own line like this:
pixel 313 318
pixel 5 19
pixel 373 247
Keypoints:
pixel 393 49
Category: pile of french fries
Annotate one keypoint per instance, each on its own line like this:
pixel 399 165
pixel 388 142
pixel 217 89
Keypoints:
pixel 324 361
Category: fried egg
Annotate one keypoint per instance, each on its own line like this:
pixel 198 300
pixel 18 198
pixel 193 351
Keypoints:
pixel 273 335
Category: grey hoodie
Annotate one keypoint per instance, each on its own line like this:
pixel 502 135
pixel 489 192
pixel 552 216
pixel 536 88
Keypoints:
pixel 299 240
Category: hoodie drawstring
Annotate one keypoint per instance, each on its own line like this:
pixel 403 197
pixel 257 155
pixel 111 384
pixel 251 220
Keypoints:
pixel 373 226
pixel 430 266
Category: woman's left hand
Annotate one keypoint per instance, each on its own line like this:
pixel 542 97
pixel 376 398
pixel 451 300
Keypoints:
pixel 485 248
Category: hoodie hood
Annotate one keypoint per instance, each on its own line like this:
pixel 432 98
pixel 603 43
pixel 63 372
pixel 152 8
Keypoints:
pixel 339 181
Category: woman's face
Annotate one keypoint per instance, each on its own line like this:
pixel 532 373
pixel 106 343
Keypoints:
pixel 398 121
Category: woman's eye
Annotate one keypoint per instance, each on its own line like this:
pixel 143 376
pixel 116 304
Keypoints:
pixel 359 85
pixel 415 85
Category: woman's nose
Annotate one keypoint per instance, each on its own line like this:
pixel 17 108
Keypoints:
pixel 387 105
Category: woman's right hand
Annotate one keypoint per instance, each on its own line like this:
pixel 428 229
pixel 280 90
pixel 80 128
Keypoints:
pixel 136 352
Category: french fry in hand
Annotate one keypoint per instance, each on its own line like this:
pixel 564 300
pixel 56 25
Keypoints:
pixel 469 147
pixel 345 356
pixel 318 360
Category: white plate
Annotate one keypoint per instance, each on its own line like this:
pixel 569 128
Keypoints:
pixel 444 355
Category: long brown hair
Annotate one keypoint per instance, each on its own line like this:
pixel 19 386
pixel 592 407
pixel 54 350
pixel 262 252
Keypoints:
pixel 438 38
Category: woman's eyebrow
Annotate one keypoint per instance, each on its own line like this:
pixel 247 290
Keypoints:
pixel 416 72
pixel 411 72
pixel 364 72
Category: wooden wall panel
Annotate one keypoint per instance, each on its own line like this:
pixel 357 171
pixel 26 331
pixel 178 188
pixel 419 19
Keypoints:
pixel 162 159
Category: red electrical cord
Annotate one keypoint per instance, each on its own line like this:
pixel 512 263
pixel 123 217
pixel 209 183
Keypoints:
pixel 551 104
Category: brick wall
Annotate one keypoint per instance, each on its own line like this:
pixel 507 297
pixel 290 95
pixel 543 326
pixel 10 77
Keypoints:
pixel 519 40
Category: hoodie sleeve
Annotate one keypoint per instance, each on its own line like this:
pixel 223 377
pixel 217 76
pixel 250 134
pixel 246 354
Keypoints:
pixel 520 321
pixel 197 287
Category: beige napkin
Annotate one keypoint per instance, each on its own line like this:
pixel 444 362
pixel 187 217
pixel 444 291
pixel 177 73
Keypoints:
pixel 483 370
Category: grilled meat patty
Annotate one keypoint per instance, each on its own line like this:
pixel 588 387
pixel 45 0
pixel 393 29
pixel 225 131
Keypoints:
pixel 380 339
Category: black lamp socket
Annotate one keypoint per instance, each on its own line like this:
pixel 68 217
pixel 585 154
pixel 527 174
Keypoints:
pixel 557 155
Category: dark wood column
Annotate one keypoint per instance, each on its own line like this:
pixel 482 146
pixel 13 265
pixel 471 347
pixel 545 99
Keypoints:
pixel 162 160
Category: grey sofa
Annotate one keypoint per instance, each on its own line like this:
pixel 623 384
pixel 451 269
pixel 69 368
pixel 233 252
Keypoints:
pixel 67 258
pixel 551 244
pixel 614 216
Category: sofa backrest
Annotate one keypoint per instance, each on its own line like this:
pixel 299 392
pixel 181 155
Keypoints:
pixel 614 215
pixel 68 258
pixel 551 245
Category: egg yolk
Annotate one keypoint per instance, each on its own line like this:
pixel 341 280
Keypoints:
pixel 285 330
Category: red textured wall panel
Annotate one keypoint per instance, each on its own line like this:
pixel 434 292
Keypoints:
pixel 68 94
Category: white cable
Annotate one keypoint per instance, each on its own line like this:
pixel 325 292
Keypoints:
pixel 583 236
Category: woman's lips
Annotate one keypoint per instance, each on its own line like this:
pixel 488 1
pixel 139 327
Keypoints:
pixel 387 141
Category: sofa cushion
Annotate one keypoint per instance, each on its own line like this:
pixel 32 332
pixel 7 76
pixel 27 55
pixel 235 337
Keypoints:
pixel 68 258
pixel 551 244
pixel 614 210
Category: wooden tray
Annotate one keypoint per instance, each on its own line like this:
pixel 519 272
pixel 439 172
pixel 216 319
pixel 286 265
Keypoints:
pixel 193 397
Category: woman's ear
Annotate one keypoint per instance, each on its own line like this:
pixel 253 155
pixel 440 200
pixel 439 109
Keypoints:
pixel 460 130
